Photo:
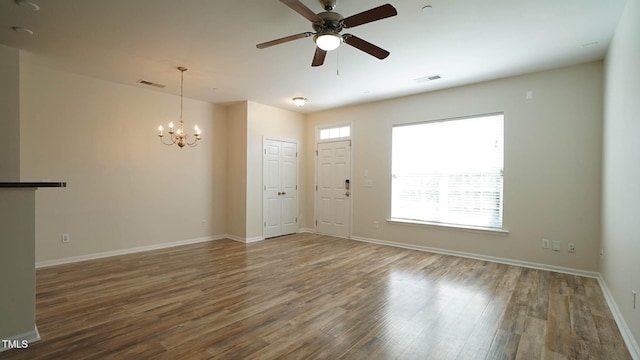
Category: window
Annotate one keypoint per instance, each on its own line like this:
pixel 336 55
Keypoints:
pixel 449 171
pixel 335 132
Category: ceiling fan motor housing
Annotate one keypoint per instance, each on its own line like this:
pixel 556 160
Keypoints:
pixel 331 21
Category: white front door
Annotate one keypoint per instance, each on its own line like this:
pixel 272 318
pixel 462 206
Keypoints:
pixel 280 198
pixel 333 201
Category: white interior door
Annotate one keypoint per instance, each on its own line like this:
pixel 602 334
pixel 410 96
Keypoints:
pixel 333 201
pixel 280 198
pixel 289 186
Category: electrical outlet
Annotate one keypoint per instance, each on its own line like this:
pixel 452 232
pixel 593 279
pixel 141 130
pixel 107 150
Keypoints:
pixel 545 243
pixel 65 238
pixel 571 247
pixel 375 224
pixel 556 245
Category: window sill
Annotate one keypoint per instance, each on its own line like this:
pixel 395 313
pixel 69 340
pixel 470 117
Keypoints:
pixel 448 226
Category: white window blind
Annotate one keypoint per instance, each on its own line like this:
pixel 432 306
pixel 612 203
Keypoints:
pixel 449 171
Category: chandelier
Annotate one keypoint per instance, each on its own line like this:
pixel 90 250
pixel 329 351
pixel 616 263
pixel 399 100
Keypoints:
pixel 178 136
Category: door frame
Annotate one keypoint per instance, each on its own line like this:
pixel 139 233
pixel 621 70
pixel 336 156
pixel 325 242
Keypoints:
pixel 315 171
pixel 262 185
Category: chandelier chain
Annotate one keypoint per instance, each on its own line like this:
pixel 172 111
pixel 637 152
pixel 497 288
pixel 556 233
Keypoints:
pixel 182 70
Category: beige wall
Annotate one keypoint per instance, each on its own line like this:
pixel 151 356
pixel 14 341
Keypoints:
pixel 125 189
pixel 277 124
pixel 123 185
pixel 248 123
pixel 17 302
pixel 10 113
pixel 552 164
pixel 620 263
pixel 237 170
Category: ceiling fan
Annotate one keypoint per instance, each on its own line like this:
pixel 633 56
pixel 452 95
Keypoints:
pixel 329 24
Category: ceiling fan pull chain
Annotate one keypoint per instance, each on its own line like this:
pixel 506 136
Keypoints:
pixel 338 62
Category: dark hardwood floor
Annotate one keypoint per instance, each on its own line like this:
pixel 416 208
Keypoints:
pixel 315 297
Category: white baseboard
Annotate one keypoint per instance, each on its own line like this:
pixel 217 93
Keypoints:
pixel 632 344
pixel 260 238
pixel 47 263
pixel 243 239
pixel 235 238
pixel 254 239
pixel 506 261
pixel 30 337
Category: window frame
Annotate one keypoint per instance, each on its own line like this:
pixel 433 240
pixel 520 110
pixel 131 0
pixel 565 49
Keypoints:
pixel 456 226
pixel 338 126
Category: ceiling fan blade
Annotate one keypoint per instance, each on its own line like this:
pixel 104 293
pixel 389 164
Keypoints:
pixel 301 9
pixel 378 13
pixel 284 40
pixel 365 46
pixel 318 57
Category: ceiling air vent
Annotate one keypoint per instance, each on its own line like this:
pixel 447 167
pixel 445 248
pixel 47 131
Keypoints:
pixel 427 78
pixel 145 82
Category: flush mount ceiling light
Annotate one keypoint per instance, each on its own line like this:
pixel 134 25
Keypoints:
pixel 180 137
pixel 299 101
pixel 328 41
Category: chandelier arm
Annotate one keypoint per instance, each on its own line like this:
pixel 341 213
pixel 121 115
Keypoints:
pixel 193 143
pixel 173 141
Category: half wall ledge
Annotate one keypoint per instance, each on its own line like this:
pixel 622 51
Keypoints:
pixel 31 184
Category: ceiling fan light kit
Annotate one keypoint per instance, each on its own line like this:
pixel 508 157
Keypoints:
pixel 328 25
pixel 328 41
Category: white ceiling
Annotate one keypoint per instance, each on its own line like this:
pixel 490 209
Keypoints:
pixel 464 41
